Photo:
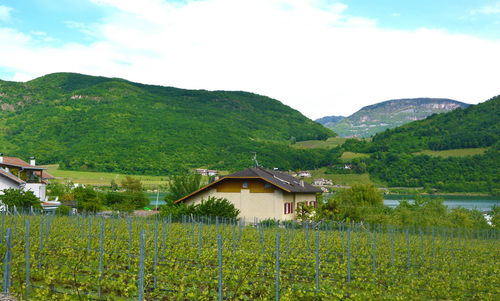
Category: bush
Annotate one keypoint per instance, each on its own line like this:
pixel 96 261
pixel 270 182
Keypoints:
pixel 20 198
pixel 212 207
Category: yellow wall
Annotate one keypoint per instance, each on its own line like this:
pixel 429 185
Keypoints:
pixel 256 200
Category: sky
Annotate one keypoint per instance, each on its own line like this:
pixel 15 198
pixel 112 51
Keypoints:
pixel 321 57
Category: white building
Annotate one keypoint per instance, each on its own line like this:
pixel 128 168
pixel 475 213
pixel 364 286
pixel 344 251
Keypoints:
pixel 18 174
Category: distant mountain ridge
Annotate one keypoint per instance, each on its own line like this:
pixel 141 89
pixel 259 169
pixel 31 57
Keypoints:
pixel 109 124
pixel 328 121
pixel 390 114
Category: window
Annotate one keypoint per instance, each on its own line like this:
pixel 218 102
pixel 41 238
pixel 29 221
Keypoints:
pixel 312 203
pixel 245 184
pixel 288 208
pixel 267 185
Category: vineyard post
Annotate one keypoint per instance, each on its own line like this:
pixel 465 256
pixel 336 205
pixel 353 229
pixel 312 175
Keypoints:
pixel 81 224
pixel 234 236
pixel 90 226
pixel 287 241
pixel 451 237
pixel 408 245
pixel 373 251
pixel 459 230
pixel 101 251
pixel 129 242
pixel 3 215
pixel 240 223
pixel 141 266
pixel 200 228
pixel 27 257
pixel 277 263
pixel 163 238
pixel 156 253
pixel 392 247
pixel 317 261
pixel 15 221
pixel 444 240
pixel 326 235
pixel 219 253
pixel 471 239
pixel 433 249
pixel 217 224
pixel 342 234
pixel 422 243
pixel 41 242
pixel 7 261
pixel 114 219
pixel 307 236
pixel 348 254
pixel 356 229
pixel 293 228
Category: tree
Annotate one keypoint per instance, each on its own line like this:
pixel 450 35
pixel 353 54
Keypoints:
pixel 86 199
pixel 131 185
pixel 182 185
pixel 213 206
pixel 20 198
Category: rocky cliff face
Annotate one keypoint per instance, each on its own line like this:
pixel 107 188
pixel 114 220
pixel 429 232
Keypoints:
pixel 390 114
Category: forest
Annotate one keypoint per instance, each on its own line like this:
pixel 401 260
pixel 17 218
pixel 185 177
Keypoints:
pixel 106 124
pixel 395 161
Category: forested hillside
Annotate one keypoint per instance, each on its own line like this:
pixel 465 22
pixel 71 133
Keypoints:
pixel 394 158
pixel 109 124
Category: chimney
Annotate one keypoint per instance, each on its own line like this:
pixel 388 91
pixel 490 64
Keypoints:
pixel 301 183
pixel 32 161
pixel 1 158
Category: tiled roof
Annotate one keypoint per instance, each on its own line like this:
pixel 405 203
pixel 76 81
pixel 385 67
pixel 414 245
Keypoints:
pixel 10 176
pixel 276 178
pixel 282 180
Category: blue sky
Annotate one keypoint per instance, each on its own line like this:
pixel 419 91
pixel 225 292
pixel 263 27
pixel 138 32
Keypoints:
pixel 313 55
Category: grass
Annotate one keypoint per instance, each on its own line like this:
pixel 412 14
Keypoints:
pixel 329 143
pixel 102 178
pixel 348 156
pixel 453 152
pixel 341 179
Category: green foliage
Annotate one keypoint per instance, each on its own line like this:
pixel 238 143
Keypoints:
pixel 212 207
pixel 86 199
pixel 351 204
pixel 182 185
pixel 20 198
pixel 433 265
pixel 132 198
pixel 107 124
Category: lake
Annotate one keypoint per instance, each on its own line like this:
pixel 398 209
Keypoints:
pixel 482 203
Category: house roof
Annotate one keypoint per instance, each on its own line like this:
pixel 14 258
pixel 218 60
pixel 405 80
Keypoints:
pixel 16 162
pixel 10 176
pixel 281 180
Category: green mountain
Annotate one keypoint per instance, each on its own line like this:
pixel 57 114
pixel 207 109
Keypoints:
pixel 109 124
pixel 329 121
pixel 396 158
pixel 390 114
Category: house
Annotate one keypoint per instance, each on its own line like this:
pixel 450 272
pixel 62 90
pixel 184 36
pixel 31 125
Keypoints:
pixel 18 174
pixel 207 172
pixel 304 174
pixel 260 193
pixel 322 182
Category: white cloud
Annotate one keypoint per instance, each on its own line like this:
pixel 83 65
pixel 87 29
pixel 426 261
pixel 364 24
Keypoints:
pixel 315 58
pixel 488 9
pixel 5 13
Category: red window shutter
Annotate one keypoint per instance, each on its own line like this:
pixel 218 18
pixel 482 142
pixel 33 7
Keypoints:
pixel 284 205
pixel 314 202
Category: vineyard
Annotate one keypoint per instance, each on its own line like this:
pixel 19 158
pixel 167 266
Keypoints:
pixel 50 257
